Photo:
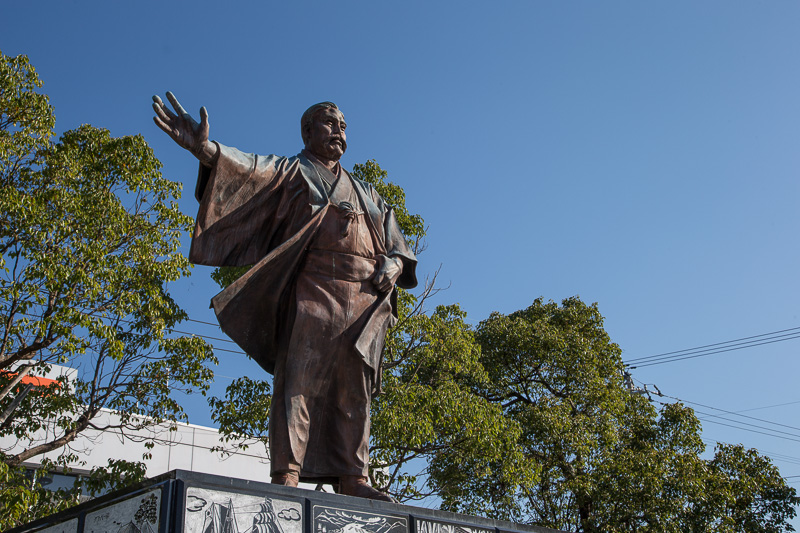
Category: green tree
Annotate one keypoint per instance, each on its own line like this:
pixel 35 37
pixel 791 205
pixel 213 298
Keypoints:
pixel 599 458
pixel 744 491
pixel 89 239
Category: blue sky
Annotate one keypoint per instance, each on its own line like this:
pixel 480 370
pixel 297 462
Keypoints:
pixel 643 155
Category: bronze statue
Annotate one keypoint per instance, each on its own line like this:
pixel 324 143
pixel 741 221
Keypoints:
pixel 314 309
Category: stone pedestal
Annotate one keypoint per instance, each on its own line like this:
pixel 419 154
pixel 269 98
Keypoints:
pixel 181 501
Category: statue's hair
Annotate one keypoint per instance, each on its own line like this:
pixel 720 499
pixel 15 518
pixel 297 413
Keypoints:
pixel 308 117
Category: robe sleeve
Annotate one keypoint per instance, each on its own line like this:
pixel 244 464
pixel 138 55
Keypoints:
pixel 239 198
pixel 395 243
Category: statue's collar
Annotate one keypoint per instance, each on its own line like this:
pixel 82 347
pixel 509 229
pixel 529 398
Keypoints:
pixel 323 170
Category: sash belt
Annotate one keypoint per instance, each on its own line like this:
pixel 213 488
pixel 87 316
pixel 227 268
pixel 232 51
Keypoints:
pixel 339 265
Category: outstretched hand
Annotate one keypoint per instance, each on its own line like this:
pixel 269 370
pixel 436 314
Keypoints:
pixel 183 129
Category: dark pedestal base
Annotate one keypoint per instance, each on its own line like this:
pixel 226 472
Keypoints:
pixel 181 501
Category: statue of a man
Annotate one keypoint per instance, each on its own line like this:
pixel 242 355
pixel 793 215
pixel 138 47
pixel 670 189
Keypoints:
pixel 314 309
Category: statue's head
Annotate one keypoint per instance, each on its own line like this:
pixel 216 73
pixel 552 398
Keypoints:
pixel 322 127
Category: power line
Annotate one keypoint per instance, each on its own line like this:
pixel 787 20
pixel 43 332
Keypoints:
pixel 750 430
pixel 715 348
pixel 782 457
pixel 202 322
pixel 777 433
pixel 239 352
pixel 170 330
pixel 715 344
pixel 791 436
pixel 42 291
pixel 769 406
pixel 734 413
pixel 671 360
pixel 772 455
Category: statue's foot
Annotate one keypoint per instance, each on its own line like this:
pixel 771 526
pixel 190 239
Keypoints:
pixel 288 479
pixel 357 486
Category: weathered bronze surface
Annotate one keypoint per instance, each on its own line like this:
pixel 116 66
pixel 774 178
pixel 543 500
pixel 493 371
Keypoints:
pixel 314 310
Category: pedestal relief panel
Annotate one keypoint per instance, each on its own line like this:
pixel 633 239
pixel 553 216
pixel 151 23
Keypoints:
pixel 432 526
pixel 139 514
pixel 70 526
pixel 337 520
pixel 213 511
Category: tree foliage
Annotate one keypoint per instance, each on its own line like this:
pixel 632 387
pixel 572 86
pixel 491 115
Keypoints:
pixel 744 491
pixel 427 411
pixel 598 457
pixel 89 240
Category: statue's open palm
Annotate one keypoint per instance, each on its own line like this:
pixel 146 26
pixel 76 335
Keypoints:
pixel 180 125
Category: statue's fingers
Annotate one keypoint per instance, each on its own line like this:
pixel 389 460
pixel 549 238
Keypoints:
pixel 159 104
pixel 176 105
pixel 161 112
pixel 167 129
pixel 204 121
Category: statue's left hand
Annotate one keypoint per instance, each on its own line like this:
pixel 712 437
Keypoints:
pixel 387 274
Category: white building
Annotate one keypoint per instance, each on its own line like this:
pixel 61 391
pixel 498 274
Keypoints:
pixel 189 447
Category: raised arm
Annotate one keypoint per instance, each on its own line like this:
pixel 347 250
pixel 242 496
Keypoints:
pixel 183 129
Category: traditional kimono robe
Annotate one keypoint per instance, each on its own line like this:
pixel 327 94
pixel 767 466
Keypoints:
pixel 307 311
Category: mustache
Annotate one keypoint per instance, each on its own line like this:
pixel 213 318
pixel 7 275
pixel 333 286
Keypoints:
pixel 341 140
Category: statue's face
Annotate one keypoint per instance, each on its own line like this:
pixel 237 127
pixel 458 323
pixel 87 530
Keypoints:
pixel 327 138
